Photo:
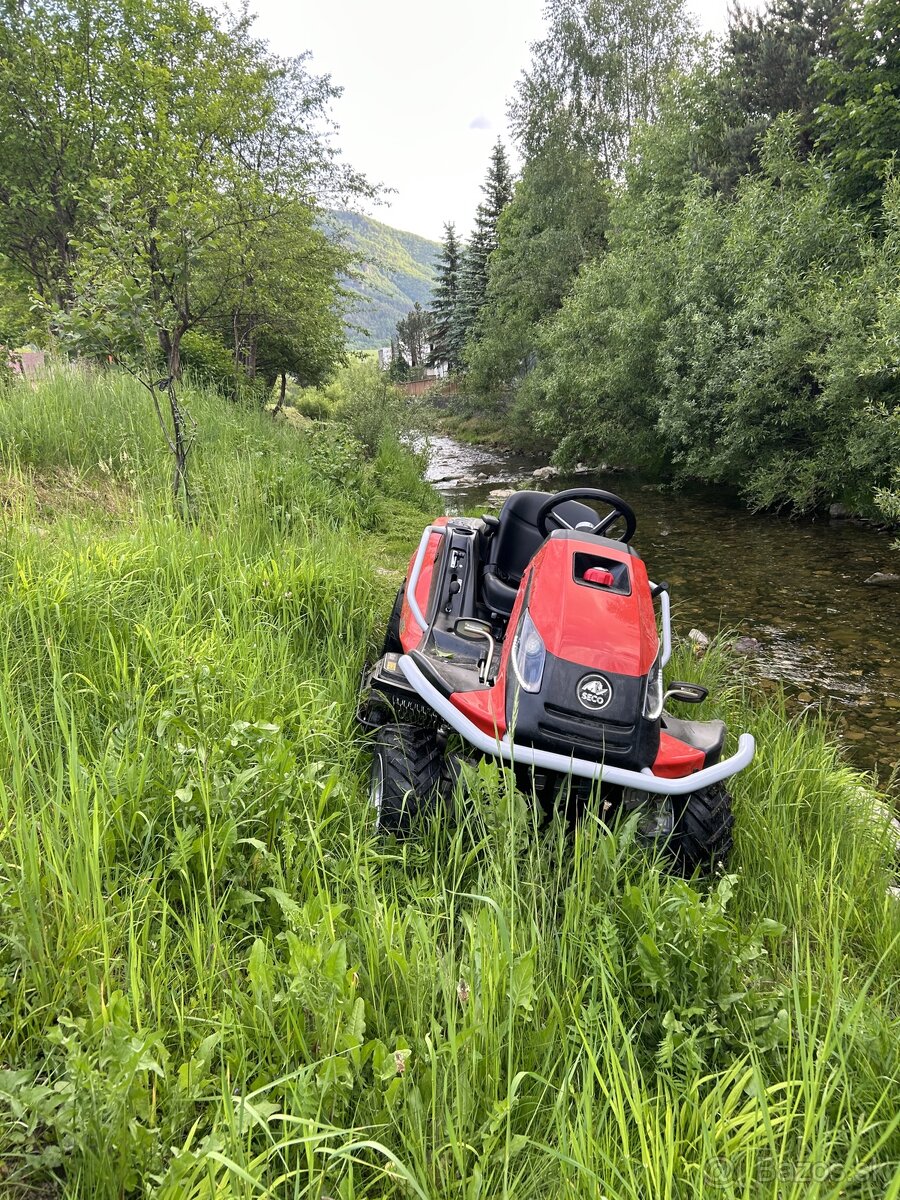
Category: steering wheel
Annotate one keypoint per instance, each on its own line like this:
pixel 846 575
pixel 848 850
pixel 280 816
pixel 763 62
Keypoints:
pixel 620 511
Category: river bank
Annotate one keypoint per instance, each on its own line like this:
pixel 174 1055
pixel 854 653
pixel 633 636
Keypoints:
pixel 794 591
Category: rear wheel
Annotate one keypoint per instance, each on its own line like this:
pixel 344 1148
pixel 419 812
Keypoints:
pixel 703 831
pixel 406 776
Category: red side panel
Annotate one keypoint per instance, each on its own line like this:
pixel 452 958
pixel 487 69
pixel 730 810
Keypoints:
pixel 486 709
pixel 410 633
pixel 676 759
pixel 593 626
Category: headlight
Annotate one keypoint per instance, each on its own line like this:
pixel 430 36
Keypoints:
pixel 653 696
pixel 528 655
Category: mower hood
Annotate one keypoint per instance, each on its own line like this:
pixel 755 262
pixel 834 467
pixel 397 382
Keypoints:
pixel 590 600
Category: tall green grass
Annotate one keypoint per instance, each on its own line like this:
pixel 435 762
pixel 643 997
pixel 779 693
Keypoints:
pixel 214 981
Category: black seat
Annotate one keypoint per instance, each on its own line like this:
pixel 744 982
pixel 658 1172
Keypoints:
pixel 516 542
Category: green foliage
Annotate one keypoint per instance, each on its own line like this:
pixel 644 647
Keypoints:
pixel 859 123
pixel 412 334
pixel 312 403
pixel 19 324
pixel 444 301
pixel 596 388
pixel 556 219
pixel 361 395
pixel 209 362
pixel 768 68
pixel 284 310
pixel 160 168
pixel 754 344
pixel 597 75
pixel 680 285
pixel 472 293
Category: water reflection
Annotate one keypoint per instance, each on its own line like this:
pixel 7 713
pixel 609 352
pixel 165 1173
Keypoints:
pixel 795 586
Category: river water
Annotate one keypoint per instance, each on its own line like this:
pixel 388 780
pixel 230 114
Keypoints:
pixel 794 586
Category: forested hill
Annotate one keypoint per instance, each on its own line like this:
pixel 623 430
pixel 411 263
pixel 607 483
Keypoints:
pixel 398 271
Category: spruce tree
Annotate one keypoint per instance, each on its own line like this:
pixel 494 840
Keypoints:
pixel 443 304
pixel 473 281
pixel 412 332
pixel 497 189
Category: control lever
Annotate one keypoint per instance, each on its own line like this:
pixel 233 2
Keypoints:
pixel 471 627
pixel 687 693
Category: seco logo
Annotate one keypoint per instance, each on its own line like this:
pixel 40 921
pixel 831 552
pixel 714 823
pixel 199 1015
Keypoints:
pixel 594 692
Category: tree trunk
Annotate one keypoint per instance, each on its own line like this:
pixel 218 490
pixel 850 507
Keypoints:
pixel 180 439
pixel 282 392
pixel 170 344
pixel 181 449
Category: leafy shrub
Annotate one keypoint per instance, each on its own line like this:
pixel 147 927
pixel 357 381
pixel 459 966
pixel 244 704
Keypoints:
pixel 695 973
pixel 754 343
pixel 362 396
pixel 209 362
pixel 313 403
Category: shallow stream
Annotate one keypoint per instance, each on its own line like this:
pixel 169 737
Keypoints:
pixel 796 587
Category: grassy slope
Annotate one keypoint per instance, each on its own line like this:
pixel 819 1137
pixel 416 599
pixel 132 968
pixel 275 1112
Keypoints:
pixel 215 983
pixel 398 272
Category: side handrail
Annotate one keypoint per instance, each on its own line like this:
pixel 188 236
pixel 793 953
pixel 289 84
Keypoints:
pixel 666 613
pixel 416 571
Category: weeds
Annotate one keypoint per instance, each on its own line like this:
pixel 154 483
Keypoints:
pixel 214 981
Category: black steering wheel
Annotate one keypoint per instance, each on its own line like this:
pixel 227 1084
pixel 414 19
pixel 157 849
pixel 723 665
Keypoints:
pixel 620 511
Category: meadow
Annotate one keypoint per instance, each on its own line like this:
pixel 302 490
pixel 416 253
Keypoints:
pixel 216 982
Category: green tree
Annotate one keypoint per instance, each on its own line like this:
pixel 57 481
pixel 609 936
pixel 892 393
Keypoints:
pixel 473 274
pixel 444 301
pixel 412 336
pixel 399 368
pixel 556 221
pixel 767 67
pixel 61 104
pixel 593 80
pixel 859 122
pixel 197 150
pixel 284 314
pixel 597 74
pixel 747 340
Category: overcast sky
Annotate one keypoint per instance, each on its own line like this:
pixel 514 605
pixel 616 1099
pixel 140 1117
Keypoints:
pixel 425 89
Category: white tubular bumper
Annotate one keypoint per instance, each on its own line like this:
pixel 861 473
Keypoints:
pixel 642 781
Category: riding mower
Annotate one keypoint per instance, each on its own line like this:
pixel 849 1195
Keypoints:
pixel 532 638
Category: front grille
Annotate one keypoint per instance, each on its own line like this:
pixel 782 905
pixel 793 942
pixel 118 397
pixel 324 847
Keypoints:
pixel 569 731
pixel 581 718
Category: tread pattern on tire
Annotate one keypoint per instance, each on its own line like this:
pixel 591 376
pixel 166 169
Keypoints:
pixel 703 835
pixel 412 765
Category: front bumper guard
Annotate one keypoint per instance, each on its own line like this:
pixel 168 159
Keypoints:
pixel 642 781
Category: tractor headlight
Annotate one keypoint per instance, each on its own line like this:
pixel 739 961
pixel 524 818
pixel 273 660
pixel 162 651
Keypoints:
pixel 528 655
pixel 653 696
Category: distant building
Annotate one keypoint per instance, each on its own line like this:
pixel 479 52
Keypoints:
pixel 28 363
pixel 440 370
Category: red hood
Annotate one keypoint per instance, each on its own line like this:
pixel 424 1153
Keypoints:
pixel 592 625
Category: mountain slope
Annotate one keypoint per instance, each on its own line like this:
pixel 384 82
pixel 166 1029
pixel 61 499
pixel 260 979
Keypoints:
pixel 398 270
